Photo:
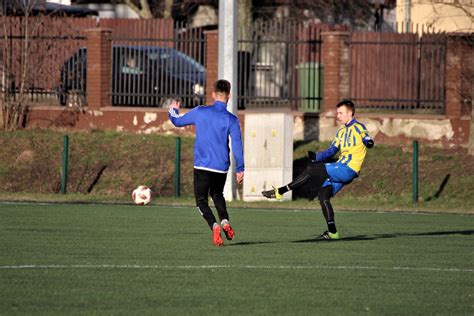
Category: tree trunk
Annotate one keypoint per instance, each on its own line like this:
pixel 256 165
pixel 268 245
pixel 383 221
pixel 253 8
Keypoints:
pixel 167 9
pixel 144 12
pixel 245 23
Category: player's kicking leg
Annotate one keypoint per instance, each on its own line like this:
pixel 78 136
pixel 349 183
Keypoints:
pixel 315 171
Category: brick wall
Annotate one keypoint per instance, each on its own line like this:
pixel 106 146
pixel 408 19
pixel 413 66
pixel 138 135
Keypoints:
pixel 335 59
pixel 99 54
pixel 212 38
pixel 451 129
pixel 448 130
pixel 453 78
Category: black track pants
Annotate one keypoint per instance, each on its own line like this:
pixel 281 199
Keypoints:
pixel 314 170
pixel 210 183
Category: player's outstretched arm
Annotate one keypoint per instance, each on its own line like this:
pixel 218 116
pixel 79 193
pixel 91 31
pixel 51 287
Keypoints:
pixel 323 155
pixel 180 120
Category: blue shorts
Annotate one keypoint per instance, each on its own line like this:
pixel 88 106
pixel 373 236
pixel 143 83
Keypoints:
pixel 339 175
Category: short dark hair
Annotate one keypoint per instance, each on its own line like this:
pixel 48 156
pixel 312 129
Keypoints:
pixel 348 103
pixel 222 86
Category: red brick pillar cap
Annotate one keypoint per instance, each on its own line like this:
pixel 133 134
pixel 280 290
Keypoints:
pixel 335 33
pixel 211 32
pixel 99 30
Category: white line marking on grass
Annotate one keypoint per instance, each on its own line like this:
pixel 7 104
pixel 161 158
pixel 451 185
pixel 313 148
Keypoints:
pixel 250 267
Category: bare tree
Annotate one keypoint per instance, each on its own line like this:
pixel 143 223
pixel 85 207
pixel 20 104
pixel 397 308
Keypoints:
pixel 354 12
pixel 148 9
pixel 33 47
pixel 14 105
pixel 453 11
pixel 142 8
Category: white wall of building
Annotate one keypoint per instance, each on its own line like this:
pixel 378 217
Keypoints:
pixel 63 2
pixel 108 10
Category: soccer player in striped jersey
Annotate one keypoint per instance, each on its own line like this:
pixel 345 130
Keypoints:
pixel 351 141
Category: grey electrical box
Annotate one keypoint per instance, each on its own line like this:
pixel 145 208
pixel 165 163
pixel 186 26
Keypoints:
pixel 268 153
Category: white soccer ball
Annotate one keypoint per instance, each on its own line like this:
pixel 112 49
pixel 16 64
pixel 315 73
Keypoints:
pixel 141 195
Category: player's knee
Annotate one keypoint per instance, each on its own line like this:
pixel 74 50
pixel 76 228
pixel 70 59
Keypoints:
pixel 308 168
pixel 216 195
pixel 316 170
pixel 325 194
pixel 202 202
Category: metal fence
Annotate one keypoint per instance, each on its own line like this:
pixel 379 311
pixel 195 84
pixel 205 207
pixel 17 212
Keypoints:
pixel 279 65
pixel 161 63
pixel 392 71
pixel 152 60
pixel 34 53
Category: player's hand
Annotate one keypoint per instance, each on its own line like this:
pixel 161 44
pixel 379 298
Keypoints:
pixel 312 155
pixel 175 104
pixel 240 177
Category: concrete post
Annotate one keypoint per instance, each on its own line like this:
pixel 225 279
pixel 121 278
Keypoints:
pixel 227 69
pixel 228 48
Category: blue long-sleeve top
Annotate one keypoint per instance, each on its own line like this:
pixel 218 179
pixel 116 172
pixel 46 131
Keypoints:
pixel 214 124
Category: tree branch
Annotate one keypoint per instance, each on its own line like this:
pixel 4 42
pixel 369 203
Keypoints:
pixel 144 12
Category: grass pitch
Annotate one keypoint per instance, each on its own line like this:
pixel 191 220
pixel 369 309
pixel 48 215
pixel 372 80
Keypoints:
pixel 122 259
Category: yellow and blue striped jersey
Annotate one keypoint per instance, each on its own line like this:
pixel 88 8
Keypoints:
pixel 352 141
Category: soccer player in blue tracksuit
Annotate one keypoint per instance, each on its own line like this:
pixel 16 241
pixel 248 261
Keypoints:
pixel 214 125
pixel 352 141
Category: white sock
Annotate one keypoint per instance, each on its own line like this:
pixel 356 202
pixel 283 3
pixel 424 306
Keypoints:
pixel 224 221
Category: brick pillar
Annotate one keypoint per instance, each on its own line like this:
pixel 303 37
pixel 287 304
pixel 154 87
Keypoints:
pixel 212 40
pixel 453 77
pixel 335 59
pixel 99 63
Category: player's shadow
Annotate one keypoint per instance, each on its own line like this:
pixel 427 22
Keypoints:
pixel 440 189
pixel 300 143
pixel 249 243
pixel 396 235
